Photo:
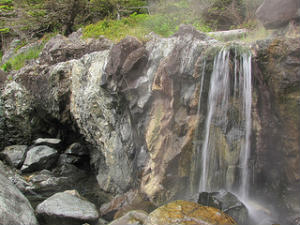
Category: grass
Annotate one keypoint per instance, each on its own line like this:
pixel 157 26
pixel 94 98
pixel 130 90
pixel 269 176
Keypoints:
pixel 138 25
pixel 19 60
pixel 259 33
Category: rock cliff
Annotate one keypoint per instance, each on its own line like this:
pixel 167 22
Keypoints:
pixel 133 105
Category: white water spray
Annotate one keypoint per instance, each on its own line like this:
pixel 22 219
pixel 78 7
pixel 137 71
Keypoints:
pixel 218 95
pixel 247 101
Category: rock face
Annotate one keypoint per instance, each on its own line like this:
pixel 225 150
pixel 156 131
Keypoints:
pixel 38 158
pixel 275 13
pixel 67 208
pixel 134 108
pixel 14 207
pixel 277 121
pixel 184 213
pixel 14 155
pixel 227 203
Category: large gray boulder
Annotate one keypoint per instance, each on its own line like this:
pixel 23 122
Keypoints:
pixel 275 13
pixel 67 208
pixel 227 202
pixel 14 155
pixel 38 158
pixel 15 209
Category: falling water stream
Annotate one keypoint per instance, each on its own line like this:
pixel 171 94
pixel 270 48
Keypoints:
pixel 228 117
pixel 219 97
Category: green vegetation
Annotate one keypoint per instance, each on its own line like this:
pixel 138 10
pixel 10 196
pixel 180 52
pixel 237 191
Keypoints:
pixel 19 60
pixel 138 25
pixel 165 17
pixel 256 34
pixel 115 19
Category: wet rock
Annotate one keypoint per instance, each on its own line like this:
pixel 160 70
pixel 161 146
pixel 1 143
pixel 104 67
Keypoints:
pixel 15 208
pixel 121 204
pixel 227 203
pixel 67 208
pixel 51 142
pixel 131 218
pixel 38 158
pixel 14 155
pixel 183 212
pixel 275 13
pixel 277 114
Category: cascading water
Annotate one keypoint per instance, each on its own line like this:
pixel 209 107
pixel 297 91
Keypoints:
pixel 247 101
pixel 229 96
pixel 218 100
pixel 223 140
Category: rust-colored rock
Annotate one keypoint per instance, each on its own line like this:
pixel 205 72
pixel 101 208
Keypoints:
pixel 188 213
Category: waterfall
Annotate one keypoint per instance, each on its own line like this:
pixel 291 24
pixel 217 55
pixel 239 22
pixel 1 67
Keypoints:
pixel 227 127
pixel 218 91
pixel 247 100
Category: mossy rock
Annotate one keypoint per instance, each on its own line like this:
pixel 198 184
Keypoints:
pixel 188 213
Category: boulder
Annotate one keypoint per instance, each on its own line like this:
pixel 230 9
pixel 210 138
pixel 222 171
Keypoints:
pixel 136 217
pixel 61 49
pixel 275 13
pixel 45 183
pixel 227 203
pixel 121 204
pixel 14 208
pixel 184 213
pixel 14 155
pixel 14 177
pixel 67 208
pixel 51 142
pixel 38 158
